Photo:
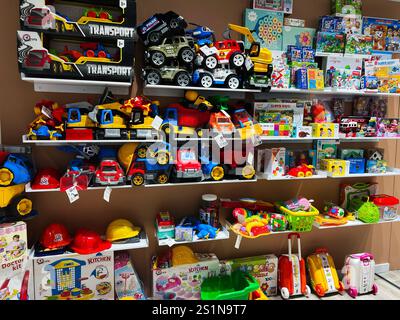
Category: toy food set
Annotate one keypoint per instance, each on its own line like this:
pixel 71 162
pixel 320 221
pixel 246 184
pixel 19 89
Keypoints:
pixel 298 36
pixel 179 274
pixel 359 274
pixel 275 5
pixel 165 225
pixel 123 231
pixel 268 26
pixel 42 57
pixel 387 205
pixel 72 276
pixel 127 283
pixel 82 19
pixel 262 268
pixel 323 274
pixel 345 7
pixel 292 279
pixel 300 213
pixel 329 42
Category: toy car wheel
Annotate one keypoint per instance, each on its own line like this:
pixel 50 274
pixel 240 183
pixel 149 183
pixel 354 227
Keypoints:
pixel 210 62
pixel 182 79
pixel 319 290
pixel 54 67
pixel 90 53
pixel 6 177
pixel 102 54
pixel 105 15
pixel 199 132
pixel 217 173
pixel 206 81
pixel 300 175
pixel 309 174
pixel 91 14
pixel 237 60
pixel 285 293
pixel 248 172
pixel 21 206
pixel 154 37
pixel 153 77
pixel 162 178
pixel 186 55
pixel 233 82
pixel 162 158
pixel 167 129
pixel 157 58
pixel 374 289
pixel 141 152
pixel 137 179
pixel 308 291
pixel 203 107
pixel 353 292
pixel 174 24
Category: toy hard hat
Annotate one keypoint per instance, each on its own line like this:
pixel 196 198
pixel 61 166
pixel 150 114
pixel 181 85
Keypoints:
pixel 126 153
pixel 87 242
pixel 55 236
pixel 121 229
pixel 46 179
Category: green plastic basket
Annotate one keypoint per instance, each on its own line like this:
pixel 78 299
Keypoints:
pixel 300 221
pixel 368 213
pixel 237 286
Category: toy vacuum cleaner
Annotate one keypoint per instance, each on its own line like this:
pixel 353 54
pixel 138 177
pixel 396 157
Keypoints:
pixel 359 274
pixel 292 279
pixel 323 274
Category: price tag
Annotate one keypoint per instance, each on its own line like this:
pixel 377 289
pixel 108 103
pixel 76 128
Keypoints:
pixel 249 64
pixel 107 193
pixel 157 122
pixel 250 158
pixel 221 141
pixel 120 43
pixel 208 51
pixel 238 241
pixel 122 4
pixel 170 242
pixel 72 194
pixel 225 113
pixel 46 111
pixel 256 140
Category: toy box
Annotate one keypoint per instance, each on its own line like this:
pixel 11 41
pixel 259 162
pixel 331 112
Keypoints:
pixel 388 128
pixel 347 154
pixel 326 149
pixel 80 18
pixel 268 26
pixel 302 132
pixel 55 58
pixel 331 24
pixel 325 130
pixel 302 78
pixel 331 63
pixel 274 5
pixel 16 274
pixel 387 68
pixel 315 79
pixel 352 24
pixel 388 206
pixel 385 32
pixel 329 42
pixel 165 225
pixel 290 22
pixel 71 276
pixel 298 36
pixel 296 65
pixel 356 165
pixel 272 161
pixel 375 154
pixel 337 168
pixel 358 44
pixel 288 6
pixel 299 157
pixel 369 83
pixel 184 231
pixel 346 79
pixel 263 268
pixel 184 281
pixel 351 126
pixel 127 283
pixel 281 71
pixel 376 166
pixel 346 7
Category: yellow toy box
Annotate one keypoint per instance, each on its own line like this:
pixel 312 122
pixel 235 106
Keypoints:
pixel 325 130
pixel 315 79
pixel 323 274
pixel 336 168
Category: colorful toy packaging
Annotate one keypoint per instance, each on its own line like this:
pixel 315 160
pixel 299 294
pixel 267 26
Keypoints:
pixel 275 5
pixel 325 150
pixel 71 276
pixel 290 22
pixel 315 79
pixel 16 274
pixel 329 42
pixel 346 7
pixel 165 225
pixel 337 168
pixel 263 268
pixel 325 130
pixel 385 33
pixel 281 71
pixel 388 206
pixel 355 191
pixel 272 161
pixel 127 283
pixel 298 36
pixel 359 44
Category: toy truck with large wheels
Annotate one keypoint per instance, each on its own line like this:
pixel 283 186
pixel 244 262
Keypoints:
pixel 14 205
pixel 148 170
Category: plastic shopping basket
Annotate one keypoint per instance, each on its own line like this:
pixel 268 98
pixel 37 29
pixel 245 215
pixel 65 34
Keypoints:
pixel 300 221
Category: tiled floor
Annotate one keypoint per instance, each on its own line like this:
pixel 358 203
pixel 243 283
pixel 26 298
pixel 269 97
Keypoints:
pixel 386 290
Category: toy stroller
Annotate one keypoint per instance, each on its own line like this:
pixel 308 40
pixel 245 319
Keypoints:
pixel 292 279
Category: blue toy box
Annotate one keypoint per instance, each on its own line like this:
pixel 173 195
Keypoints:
pixel 357 166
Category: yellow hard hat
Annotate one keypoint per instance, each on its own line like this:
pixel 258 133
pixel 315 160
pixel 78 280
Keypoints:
pixel 121 229
pixel 191 95
pixel 126 152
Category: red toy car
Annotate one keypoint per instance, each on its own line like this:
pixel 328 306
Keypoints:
pixel 301 171
pixel 227 52
pixel 187 166
pixel 109 172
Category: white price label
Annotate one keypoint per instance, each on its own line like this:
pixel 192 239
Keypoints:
pixel 249 64
pixel 208 51
pixel 256 140
pixel 250 158
pixel 157 122
pixel 122 4
pixel 120 43
pixel 238 241
pixel 170 242
pixel 226 114
pixel 72 194
pixel 107 194
pixel 221 141
pixel 46 111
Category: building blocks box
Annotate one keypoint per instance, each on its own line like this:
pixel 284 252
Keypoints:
pixel 184 281
pixel 72 276
pixel 89 19
pixel 290 113
pixel 48 57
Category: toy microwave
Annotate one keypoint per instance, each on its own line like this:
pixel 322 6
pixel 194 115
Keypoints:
pixel 40 56
pixel 114 20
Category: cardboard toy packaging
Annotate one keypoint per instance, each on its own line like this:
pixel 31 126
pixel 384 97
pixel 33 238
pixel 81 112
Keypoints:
pixel 16 274
pixel 298 36
pixel 271 162
pixel 184 281
pixel 71 276
pixel 345 7
pixel 263 268
pixel 274 5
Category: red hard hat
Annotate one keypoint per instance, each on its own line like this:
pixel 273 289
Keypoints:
pixel 87 242
pixel 46 179
pixel 55 236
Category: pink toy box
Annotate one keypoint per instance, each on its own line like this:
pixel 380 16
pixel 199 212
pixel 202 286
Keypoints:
pixel 183 282
pixel 71 276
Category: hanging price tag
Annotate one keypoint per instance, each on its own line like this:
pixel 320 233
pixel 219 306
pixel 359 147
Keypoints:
pixel 72 194
pixel 256 140
pixel 107 193
pixel 225 113
pixel 46 111
pixel 170 242
pixel 238 241
pixel 250 158
pixel 221 141
pixel 157 122
pixel 208 51
pixel 249 64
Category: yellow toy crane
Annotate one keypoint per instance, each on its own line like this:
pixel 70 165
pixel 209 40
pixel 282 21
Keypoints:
pixel 260 69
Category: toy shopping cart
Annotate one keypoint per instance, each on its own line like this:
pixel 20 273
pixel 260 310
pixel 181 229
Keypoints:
pixel 299 221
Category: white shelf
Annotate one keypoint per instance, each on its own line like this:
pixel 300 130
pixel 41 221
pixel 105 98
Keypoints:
pixel 367 139
pixel 221 235
pixel 355 223
pixel 143 243
pixel 330 91
pixel 55 143
pixel 390 173
pixel 77 86
pixel 293 140
pixel 269 177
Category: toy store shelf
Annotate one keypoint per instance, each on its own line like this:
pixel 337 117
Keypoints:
pixel 333 92
pixel 55 143
pixel 171 91
pixel 319 175
pixel 221 235
pixel 143 243
pixel 77 86
pixel 390 173
pixel 266 139
pixel 367 139
pixel 355 223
